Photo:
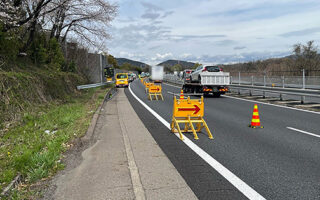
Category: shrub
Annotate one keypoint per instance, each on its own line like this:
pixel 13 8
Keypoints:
pixel 9 45
pixel 55 55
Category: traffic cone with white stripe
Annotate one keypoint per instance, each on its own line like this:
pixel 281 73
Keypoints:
pixel 255 121
pixel 181 95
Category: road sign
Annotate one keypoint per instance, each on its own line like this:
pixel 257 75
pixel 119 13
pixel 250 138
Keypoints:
pixel 188 107
pixel 188 112
pixel 195 108
pixel 155 91
pixel 148 85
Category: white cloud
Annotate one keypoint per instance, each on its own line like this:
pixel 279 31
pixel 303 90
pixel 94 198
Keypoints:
pixel 212 31
pixel 160 57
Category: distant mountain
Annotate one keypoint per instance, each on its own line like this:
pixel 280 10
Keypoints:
pixel 184 64
pixel 121 61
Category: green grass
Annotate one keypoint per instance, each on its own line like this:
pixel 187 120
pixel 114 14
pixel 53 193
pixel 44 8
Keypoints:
pixel 34 147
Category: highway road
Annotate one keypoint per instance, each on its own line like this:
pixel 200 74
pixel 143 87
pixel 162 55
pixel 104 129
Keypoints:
pixel 280 161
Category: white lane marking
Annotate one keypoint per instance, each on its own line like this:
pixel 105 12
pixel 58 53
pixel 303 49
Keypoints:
pixel 309 111
pixel 227 174
pixel 305 132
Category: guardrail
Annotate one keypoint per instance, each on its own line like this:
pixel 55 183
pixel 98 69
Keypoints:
pixel 304 82
pixel 264 89
pixel 81 87
pixel 281 91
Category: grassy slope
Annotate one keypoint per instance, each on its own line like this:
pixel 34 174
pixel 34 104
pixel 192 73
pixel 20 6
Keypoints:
pixel 21 89
pixel 34 147
pixel 40 113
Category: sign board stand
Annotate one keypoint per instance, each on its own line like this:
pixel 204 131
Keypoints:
pixel 188 112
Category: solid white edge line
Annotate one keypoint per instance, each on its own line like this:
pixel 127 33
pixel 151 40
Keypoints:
pixel 309 111
pixel 305 132
pixel 244 188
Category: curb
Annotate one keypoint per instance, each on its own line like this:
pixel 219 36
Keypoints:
pixel 89 134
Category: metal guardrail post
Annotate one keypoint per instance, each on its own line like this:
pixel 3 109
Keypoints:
pixel 282 77
pixel 239 78
pixel 263 94
pixel 264 81
pixel 250 93
pixel 303 98
pixel 252 80
pixel 281 97
pixel 303 79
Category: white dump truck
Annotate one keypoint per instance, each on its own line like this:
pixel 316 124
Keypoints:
pixel 207 80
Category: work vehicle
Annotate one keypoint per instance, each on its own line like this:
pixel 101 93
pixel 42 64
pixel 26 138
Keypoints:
pixel 109 73
pixel 122 80
pixel 209 80
pixel 156 74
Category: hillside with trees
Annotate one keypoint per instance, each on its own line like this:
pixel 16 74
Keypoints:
pixel 127 64
pixel 178 65
pixel 122 61
pixel 304 56
pixel 184 64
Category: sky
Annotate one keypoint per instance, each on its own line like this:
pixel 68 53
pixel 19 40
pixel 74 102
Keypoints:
pixel 212 31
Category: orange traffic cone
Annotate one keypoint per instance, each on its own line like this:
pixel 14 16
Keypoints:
pixel 255 121
pixel 181 95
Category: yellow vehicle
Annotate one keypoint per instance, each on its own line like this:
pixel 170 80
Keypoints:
pixel 122 80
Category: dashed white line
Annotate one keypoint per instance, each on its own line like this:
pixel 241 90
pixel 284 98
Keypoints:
pixel 244 188
pixel 305 132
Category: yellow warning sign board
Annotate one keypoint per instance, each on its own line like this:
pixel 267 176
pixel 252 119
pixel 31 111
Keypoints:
pixel 148 85
pixel 188 112
pixel 188 107
pixel 155 91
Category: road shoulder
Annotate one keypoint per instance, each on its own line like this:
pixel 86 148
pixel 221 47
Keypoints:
pixel 125 162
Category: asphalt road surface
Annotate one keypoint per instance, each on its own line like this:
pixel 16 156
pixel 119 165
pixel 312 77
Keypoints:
pixel 280 161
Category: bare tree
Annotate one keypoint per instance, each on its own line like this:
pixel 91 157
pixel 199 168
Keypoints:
pixel 87 20
pixel 306 56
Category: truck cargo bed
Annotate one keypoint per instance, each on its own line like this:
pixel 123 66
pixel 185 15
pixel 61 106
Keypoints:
pixel 218 78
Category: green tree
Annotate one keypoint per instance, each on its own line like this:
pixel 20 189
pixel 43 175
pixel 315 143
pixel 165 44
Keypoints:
pixel 177 67
pixel 9 45
pixel 55 55
pixel 196 65
pixel 112 61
